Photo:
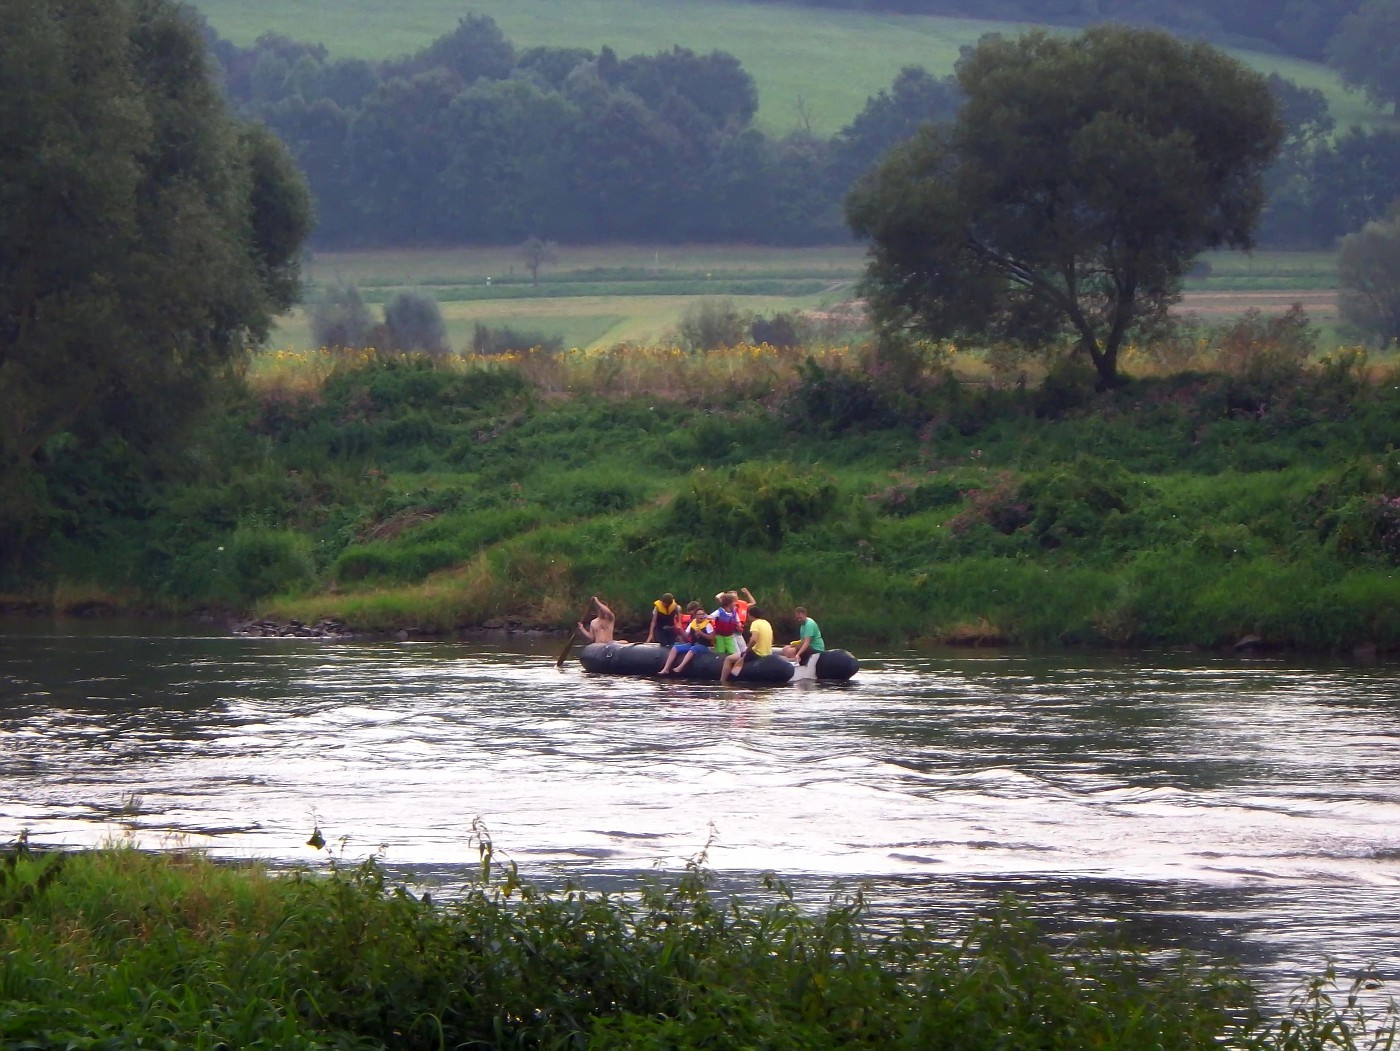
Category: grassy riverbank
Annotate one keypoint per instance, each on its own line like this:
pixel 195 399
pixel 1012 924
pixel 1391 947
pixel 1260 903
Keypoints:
pixel 122 949
pixel 1239 485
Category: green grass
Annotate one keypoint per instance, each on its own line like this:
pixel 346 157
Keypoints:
pixel 1270 269
pixel 601 295
pixel 812 66
pixel 118 949
pixel 593 295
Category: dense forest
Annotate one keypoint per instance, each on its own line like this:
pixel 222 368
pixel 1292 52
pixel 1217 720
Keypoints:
pixel 474 140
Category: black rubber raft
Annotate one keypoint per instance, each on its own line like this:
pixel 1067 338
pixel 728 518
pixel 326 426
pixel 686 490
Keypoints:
pixel 614 658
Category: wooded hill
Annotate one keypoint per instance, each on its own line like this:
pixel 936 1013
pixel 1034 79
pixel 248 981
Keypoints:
pixel 474 138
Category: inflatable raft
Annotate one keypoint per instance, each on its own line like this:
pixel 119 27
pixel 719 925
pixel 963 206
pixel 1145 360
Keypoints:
pixel 613 658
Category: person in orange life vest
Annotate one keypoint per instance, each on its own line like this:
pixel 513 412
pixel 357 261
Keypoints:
pixel 693 638
pixel 760 645
pixel 665 620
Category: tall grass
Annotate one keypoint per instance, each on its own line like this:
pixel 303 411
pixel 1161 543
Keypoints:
pixel 122 949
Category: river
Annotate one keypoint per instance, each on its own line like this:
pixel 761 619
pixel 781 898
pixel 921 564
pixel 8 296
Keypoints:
pixel 1248 809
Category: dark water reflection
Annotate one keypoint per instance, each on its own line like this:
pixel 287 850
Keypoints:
pixel 1248 809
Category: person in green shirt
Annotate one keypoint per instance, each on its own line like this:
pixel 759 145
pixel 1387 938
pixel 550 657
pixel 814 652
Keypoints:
pixel 809 638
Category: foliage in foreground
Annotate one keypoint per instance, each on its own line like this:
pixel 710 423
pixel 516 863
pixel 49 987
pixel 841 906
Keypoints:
pixel 123 949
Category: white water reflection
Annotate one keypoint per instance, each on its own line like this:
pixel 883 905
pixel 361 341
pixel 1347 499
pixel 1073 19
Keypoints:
pixel 1253 805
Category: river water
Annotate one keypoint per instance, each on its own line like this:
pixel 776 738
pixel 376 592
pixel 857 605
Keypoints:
pixel 1246 809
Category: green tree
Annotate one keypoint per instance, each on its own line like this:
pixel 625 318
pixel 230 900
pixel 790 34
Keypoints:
pixel 340 319
pixel 146 238
pixel 414 323
pixel 1078 182
pixel 915 98
pixel 1366 51
pixel 1368 267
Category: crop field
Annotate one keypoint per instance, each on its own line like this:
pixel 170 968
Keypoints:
pixel 814 68
pixel 602 295
pixel 592 295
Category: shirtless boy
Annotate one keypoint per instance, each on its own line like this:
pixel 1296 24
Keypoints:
pixel 600 629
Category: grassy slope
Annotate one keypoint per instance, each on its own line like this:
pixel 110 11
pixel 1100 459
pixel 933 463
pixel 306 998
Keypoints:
pixel 1211 507
pixel 813 64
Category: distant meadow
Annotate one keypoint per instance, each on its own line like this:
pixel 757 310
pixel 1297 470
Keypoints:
pixel 814 68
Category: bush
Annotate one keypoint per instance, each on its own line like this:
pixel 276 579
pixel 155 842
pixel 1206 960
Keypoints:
pixel 262 561
pixel 1264 357
pixel 712 323
pixel 414 323
pixel 340 319
pixel 1079 501
pixel 396 385
pixel 787 329
pixel 753 505
pixel 836 400
pixel 506 340
pixel 401 564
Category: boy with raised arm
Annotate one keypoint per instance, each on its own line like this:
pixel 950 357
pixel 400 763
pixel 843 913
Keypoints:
pixel 600 629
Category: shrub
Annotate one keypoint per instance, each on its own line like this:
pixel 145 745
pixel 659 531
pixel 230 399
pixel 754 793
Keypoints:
pixel 711 323
pixel 910 498
pixel 405 563
pixel 396 385
pixel 757 505
pixel 833 400
pixel 1264 357
pixel 487 340
pixel 339 318
pixel 1077 501
pixel 262 561
pixel 414 323
pixel 787 329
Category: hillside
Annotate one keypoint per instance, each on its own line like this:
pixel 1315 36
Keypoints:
pixel 814 68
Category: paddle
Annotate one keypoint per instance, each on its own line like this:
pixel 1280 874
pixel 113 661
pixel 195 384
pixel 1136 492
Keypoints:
pixel 573 636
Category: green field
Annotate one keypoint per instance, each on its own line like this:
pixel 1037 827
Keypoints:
pixel 813 67
pixel 593 295
pixel 602 295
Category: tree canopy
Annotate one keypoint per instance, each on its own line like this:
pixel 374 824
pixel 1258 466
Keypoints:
pixel 1366 51
pixel 1368 267
pixel 1078 182
pixel 146 237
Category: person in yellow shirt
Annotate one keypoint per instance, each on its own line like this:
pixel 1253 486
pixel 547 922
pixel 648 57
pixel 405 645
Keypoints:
pixel 760 645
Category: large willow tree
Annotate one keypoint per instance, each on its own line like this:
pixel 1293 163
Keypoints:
pixel 147 238
pixel 1077 183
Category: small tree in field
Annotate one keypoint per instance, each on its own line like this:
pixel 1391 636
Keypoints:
pixel 1368 265
pixel 340 319
pixel 536 254
pixel 1078 182
pixel 414 322
pixel 712 323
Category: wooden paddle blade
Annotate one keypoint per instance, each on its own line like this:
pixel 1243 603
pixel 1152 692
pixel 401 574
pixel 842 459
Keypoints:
pixel 564 653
